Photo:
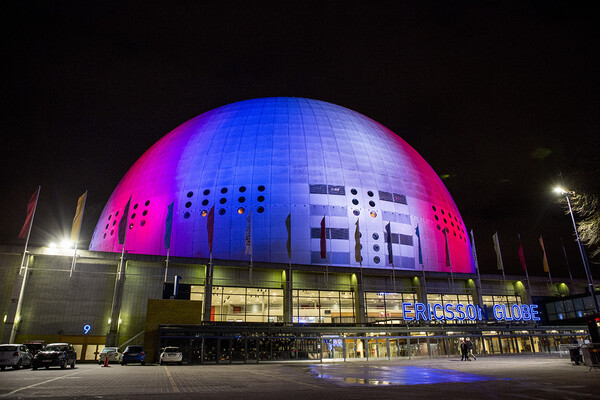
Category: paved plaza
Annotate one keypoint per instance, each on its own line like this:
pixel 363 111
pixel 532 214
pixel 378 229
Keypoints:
pixel 508 377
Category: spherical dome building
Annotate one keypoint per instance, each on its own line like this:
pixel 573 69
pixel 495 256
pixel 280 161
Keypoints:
pixel 258 162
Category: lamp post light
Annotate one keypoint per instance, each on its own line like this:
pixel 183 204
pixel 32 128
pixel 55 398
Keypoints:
pixel 586 266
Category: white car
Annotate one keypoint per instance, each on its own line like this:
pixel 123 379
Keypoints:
pixel 112 353
pixel 170 355
pixel 14 355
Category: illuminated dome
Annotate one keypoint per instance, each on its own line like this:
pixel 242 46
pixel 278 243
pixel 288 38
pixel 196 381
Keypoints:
pixel 276 156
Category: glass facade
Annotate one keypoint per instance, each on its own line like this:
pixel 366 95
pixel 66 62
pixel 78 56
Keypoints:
pixel 323 306
pixel 386 308
pixel 235 304
pixel 570 308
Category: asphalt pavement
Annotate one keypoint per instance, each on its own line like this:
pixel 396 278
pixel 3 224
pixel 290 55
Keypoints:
pixel 508 377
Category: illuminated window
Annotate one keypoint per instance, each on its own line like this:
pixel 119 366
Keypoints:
pixel 241 210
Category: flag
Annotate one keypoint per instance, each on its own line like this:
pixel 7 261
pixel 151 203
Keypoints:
pixel 123 222
pixel 210 227
pixel 288 226
pixel 418 242
pixel 521 254
pixel 30 211
pixel 544 260
pixel 474 250
pixel 323 241
pixel 445 232
pixel 169 225
pixel 76 228
pixel 388 232
pixel 357 255
pixel 248 233
pixel 498 254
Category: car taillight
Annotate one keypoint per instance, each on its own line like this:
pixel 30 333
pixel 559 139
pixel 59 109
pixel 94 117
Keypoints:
pixel 143 353
pixel 16 354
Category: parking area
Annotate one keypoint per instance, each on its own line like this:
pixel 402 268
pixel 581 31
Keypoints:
pixel 518 377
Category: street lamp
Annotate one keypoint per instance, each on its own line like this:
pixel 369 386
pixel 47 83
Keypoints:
pixel 586 267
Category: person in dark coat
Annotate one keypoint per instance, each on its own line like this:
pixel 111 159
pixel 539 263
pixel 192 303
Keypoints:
pixel 464 351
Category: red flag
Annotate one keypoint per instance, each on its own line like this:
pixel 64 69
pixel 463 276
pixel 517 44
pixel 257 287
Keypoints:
pixel 210 227
pixel 522 255
pixel 123 222
pixel 323 241
pixel 30 211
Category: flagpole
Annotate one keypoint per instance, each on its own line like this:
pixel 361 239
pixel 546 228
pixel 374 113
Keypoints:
pixel 74 263
pixel 479 289
pixel 568 266
pixel 167 265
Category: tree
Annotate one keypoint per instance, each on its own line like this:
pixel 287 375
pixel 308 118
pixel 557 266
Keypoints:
pixel 587 208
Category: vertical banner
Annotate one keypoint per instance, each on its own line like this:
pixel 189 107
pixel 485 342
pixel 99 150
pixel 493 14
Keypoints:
pixel 388 233
pixel 169 225
pixel 445 232
pixel 357 255
pixel 419 243
pixel 499 263
pixel 78 218
pixel 210 227
pixel 31 205
pixel 288 226
pixel 544 259
pixel 248 234
pixel 323 241
pixel 123 222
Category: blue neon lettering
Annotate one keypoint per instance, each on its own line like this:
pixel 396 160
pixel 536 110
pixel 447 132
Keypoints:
pixel 437 306
pixel 471 312
pixel 459 310
pixel 448 309
pixel 482 312
pixel 498 312
pixel 405 311
pixel 525 314
pixel 420 311
pixel 534 312
pixel 506 316
pixel 516 312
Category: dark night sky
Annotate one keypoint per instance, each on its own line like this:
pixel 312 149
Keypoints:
pixel 497 96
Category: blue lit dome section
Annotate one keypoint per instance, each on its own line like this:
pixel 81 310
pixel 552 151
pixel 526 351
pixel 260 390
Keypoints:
pixel 273 157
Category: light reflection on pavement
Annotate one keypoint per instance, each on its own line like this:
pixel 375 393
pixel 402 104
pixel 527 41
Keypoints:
pixel 391 375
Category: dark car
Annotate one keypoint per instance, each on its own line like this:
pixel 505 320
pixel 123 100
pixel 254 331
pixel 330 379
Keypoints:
pixel 55 354
pixel 35 346
pixel 133 354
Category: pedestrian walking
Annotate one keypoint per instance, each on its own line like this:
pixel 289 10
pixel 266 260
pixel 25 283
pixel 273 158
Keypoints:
pixel 469 346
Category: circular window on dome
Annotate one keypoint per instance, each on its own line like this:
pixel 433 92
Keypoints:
pixel 204 202
pixel 375 236
pixel 145 213
pixel 376 247
pixel 147 203
pixel 204 213
pixel 370 193
pixel 449 215
pixel 442 210
pixel 353 191
pixel 190 194
pixel 376 260
pixel 116 214
pixel 109 217
pixel 222 211
pixel 260 210
pixel 224 190
pixel 260 198
pixel 206 192
pixel 437 218
pixel 242 189
pixel 356 212
pixel 143 222
pixel 261 188
pixel 131 226
pixel 135 206
pixel 373 214
pixel 433 208
pixel 223 200
pixel 241 199
pixel 186 215
pixel 106 227
pixel 114 222
pixel 104 237
pixel 133 216
pixel 439 227
pixel 112 232
pixel 241 210
pixel 372 203
pixel 188 204
pixel 355 202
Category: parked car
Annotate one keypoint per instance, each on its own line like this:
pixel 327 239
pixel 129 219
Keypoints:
pixel 113 354
pixel 55 354
pixel 34 346
pixel 14 355
pixel 133 354
pixel 170 355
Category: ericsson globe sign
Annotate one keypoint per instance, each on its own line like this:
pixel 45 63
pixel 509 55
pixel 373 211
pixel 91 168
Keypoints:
pixel 469 312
